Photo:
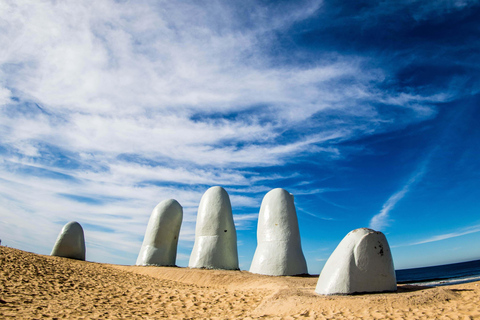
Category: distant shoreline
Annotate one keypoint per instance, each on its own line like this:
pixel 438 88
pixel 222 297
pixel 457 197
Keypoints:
pixel 454 273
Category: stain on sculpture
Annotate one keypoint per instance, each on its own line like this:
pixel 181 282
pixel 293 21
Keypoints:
pixel 215 235
pixel 361 263
pixel 279 250
pixel 159 246
pixel 70 242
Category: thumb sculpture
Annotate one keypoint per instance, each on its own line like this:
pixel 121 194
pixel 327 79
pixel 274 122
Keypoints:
pixel 215 235
pixel 279 251
pixel 159 246
pixel 70 242
pixel 361 263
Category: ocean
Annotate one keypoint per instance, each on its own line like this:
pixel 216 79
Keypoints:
pixel 447 274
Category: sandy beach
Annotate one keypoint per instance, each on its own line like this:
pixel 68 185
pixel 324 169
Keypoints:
pixel 35 286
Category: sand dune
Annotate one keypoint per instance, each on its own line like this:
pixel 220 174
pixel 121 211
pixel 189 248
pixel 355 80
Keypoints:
pixel 36 286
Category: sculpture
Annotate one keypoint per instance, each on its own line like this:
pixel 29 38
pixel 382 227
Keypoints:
pixel 215 244
pixel 70 242
pixel 159 246
pixel 279 250
pixel 362 262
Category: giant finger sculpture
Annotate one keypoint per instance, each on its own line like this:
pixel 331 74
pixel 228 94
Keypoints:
pixel 159 246
pixel 362 262
pixel 70 242
pixel 215 244
pixel 279 250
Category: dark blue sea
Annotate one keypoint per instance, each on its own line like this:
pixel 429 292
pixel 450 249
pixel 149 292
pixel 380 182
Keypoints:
pixel 441 275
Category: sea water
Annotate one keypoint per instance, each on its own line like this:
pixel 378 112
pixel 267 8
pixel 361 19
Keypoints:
pixel 441 275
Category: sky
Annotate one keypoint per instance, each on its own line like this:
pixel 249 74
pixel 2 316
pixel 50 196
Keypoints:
pixel 366 111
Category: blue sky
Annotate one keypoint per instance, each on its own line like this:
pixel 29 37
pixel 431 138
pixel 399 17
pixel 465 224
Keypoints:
pixel 367 111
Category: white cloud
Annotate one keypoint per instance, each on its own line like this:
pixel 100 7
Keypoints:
pixel 5 96
pixel 380 220
pixel 245 221
pixel 131 103
pixel 458 233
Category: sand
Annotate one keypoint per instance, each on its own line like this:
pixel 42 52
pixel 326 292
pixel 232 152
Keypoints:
pixel 34 286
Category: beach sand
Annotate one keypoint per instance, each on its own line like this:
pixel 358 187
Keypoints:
pixel 34 286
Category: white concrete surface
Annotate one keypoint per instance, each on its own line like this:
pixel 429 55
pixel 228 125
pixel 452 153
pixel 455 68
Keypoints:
pixel 215 244
pixel 159 246
pixel 362 262
pixel 70 242
pixel 279 250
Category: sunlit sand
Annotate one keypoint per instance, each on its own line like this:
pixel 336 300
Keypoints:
pixel 37 286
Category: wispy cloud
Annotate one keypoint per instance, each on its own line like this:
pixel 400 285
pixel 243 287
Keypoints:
pixel 380 220
pixel 135 103
pixel 245 221
pixel 458 233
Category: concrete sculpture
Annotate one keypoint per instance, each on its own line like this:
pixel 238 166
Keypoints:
pixel 279 251
pixel 362 262
pixel 215 244
pixel 70 242
pixel 159 246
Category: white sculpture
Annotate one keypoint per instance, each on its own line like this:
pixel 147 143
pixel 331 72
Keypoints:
pixel 215 235
pixel 70 242
pixel 362 262
pixel 159 246
pixel 279 251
